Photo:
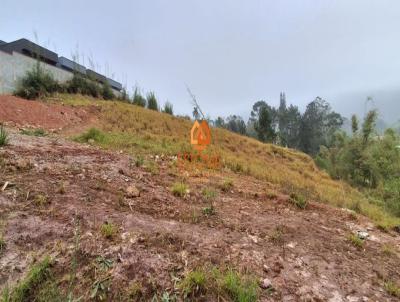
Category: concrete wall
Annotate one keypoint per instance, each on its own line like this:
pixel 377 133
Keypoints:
pixel 14 66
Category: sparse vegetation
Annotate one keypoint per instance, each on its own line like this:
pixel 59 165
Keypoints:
pixel 226 185
pixel 139 161
pixel 239 288
pixel 209 193
pixel 41 200
pixel 152 167
pixel 2 244
pixel 33 132
pixel 276 236
pixel 179 189
pixel 226 284
pixel 37 275
pixel 108 230
pixel 135 291
pixel 388 250
pixel 392 288
pixel 208 211
pixel 194 283
pixel 3 136
pixel 92 134
pixel 298 200
pixel 355 240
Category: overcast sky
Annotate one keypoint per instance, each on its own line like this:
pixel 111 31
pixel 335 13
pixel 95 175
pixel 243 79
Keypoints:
pixel 230 53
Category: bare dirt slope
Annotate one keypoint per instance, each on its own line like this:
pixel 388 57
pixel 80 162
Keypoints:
pixel 53 117
pixel 58 188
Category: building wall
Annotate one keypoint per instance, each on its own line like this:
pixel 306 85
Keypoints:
pixel 14 66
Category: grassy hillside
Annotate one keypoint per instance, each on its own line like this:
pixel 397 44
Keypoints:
pixel 140 131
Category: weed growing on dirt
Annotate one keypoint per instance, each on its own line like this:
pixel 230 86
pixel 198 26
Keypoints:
pixel 240 289
pixel 41 200
pixel 276 236
pixel 100 288
pixel 209 211
pixel 152 167
pixel 74 259
pixel 193 283
pixel 209 193
pixel 298 200
pixel 227 284
pixel 33 132
pixel 37 275
pixel 179 189
pixel 388 250
pixel 108 230
pixel 392 288
pixel 226 185
pixel 135 291
pixel 139 161
pixel 92 135
pixel 61 188
pixel 355 240
pixel 3 136
pixel 2 244
pixel 104 263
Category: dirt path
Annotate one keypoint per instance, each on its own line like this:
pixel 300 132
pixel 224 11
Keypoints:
pixel 58 187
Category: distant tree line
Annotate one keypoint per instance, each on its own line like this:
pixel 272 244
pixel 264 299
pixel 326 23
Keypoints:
pixel 287 126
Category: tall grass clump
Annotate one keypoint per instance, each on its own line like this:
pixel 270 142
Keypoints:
pixel 37 275
pixel 37 83
pixel 168 108
pixel 3 136
pixel 152 102
pixel 138 99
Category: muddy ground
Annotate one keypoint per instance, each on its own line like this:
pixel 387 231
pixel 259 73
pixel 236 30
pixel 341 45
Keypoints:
pixel 60 193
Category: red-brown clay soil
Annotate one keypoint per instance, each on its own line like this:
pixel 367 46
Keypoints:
pixel 58 187
pixel 21 112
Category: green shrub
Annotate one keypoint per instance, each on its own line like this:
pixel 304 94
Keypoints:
pixel 83 85
pixel 3 136
pixel 168 108
pixel 138 99
pixel 37 83
pixel 107 92
pixel 92 134
pixel 152 102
